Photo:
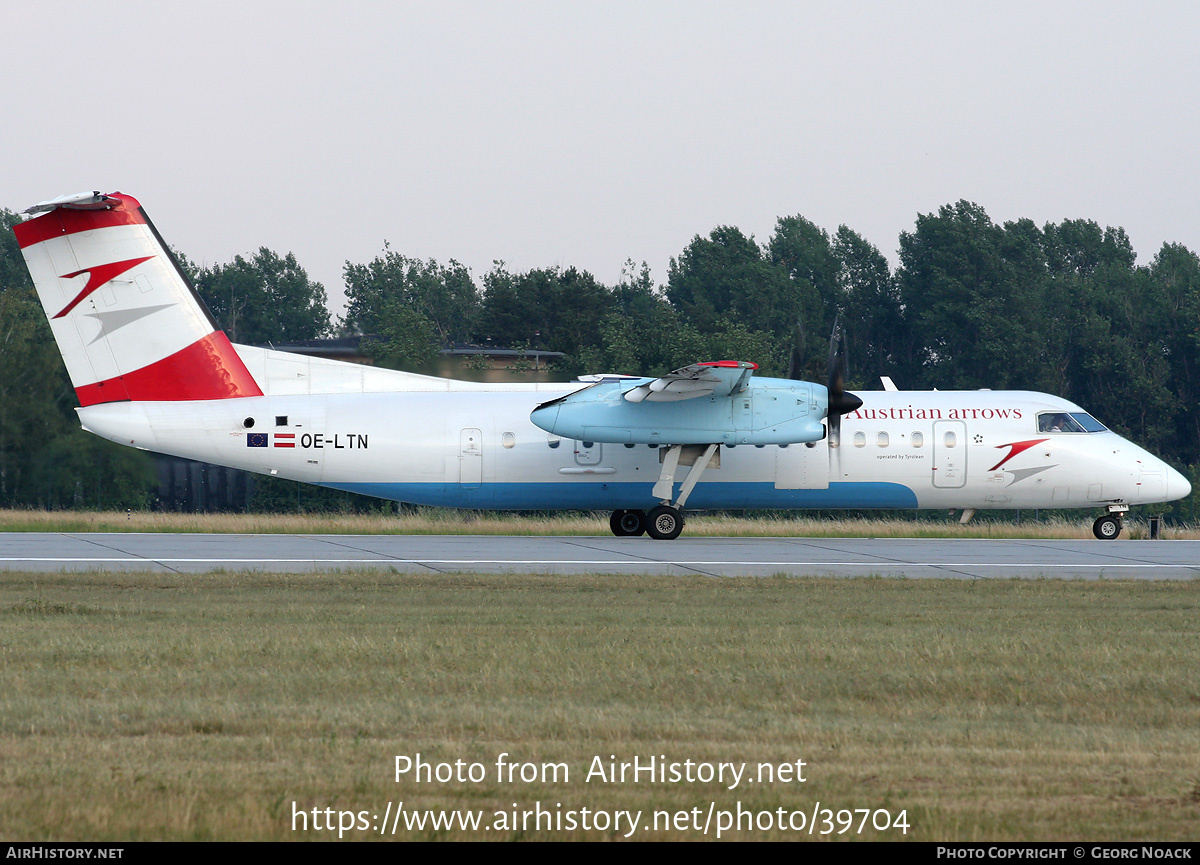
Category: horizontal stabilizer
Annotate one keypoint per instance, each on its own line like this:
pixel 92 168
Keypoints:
pixel 78 201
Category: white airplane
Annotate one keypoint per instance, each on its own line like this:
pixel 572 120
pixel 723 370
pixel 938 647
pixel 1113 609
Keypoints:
pixel 152 370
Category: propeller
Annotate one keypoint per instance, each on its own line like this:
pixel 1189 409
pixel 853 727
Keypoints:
pixel 840 401
pixel 795 370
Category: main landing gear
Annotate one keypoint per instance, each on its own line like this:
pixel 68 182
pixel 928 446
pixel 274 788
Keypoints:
pixel 664 522
pixel 627 524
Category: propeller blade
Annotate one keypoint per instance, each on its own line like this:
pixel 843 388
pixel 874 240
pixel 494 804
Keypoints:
pixel 835 374
pixel 840 402
pixel 795 370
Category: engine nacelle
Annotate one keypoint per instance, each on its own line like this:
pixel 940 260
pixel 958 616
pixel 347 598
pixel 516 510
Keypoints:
pixel 767 412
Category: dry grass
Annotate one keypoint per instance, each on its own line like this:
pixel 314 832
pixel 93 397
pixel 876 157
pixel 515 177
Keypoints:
pixel 449 521
pixel 146 706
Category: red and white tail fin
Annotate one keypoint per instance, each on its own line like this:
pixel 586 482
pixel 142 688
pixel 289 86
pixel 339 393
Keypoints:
pixel 127 320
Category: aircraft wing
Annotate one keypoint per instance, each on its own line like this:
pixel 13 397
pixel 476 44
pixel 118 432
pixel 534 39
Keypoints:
pixel 712 378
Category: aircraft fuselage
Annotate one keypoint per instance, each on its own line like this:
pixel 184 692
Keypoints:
pixel 936 449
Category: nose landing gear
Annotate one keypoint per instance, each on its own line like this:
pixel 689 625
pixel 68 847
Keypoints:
pixel 1109 526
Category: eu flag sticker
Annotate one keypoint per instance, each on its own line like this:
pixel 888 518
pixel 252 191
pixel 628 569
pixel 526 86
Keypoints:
pixel 256 440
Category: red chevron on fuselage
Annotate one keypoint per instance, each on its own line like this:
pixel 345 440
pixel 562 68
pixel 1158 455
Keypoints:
pixel 1017 447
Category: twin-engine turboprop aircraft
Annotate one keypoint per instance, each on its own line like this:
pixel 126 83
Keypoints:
pixel 152 370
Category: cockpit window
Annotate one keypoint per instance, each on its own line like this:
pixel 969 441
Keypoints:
pixel 1057 421
pixel 1070 422
pixel 1089 423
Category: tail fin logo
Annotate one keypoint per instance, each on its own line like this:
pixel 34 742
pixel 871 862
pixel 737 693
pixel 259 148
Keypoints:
pixel 98 276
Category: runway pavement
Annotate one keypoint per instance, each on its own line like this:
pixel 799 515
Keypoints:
pixel 889 557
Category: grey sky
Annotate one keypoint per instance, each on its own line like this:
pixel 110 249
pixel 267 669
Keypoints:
pixel 583 134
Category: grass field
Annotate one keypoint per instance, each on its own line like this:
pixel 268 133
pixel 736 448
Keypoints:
pixel 445 521
pixel 147 706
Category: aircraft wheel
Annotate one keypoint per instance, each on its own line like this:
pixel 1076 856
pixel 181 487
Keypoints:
pixel 664 523
pixel 627 524
pixel 1106 528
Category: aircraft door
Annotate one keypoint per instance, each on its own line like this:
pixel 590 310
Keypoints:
pixel 949 454
pixel 470 457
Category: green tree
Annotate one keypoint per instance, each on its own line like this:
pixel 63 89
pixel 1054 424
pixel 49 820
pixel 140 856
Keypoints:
pixel 79 470
pixel 1111 337
pixel 637 331
pixel 404 339
pixel 264 299
pixel 546 308
pixel 1125 372
pixel 727 277
pixel 13 272
pixel 32 376
pixel 971 294
pixel 1176 272
pixel 1085 264
pixel 806 312
pixel 445 297
pixel 878 343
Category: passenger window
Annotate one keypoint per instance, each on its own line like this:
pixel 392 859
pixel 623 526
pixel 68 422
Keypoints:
pixel 508 439
pixel 860 439
pixel 882 440
pixel 951 439
pixel 918 439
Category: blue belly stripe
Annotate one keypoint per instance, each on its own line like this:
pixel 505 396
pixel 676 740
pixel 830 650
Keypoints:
pixel 610 496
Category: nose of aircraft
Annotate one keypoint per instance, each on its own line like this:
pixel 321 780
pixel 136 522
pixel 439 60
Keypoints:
pixel 1178 486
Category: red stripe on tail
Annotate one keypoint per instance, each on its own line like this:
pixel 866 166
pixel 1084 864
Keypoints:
pixel 209 368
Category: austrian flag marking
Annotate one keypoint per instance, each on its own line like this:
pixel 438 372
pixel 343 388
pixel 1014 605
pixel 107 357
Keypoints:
pixel 285 440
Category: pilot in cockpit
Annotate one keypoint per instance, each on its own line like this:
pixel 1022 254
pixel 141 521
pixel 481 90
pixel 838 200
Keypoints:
pixel 1052 422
